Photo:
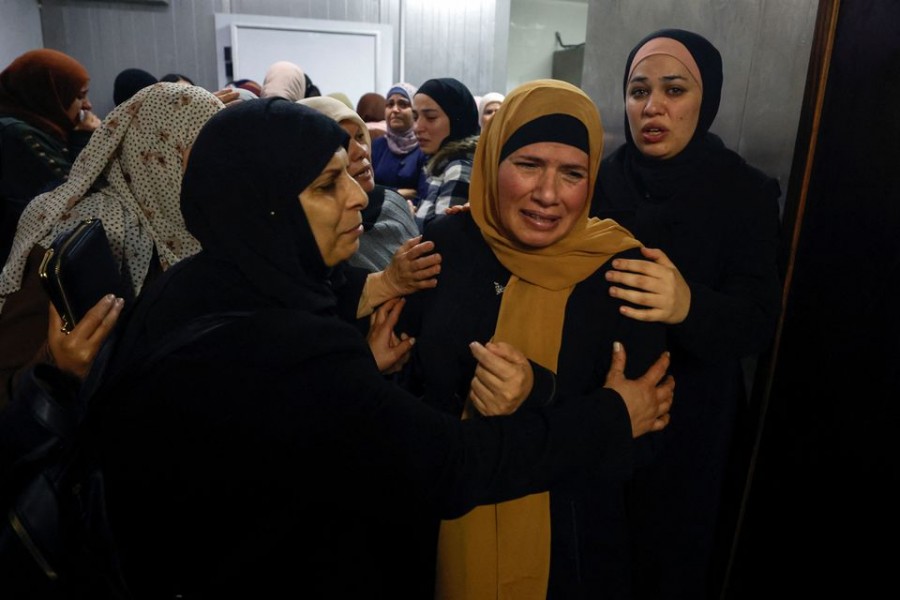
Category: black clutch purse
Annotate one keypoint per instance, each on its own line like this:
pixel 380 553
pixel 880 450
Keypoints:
pixel 78 270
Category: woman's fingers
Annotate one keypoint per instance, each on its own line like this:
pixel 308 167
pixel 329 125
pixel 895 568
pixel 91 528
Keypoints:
pixel 414 266
pixel 657 255
pixel 107 322
pixel 503 377
pixel 655 285
pixel 75 352
pixel 616 364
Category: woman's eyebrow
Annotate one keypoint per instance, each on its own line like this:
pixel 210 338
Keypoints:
pixel 644 78
pixel 542 161
pixel 329 172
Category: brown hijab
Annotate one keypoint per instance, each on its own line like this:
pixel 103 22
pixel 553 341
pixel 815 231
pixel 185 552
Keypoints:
pixel 39 87
pixel 503 550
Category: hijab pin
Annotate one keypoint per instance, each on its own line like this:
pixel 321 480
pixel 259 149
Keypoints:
pixel 271 213
pixel 499 288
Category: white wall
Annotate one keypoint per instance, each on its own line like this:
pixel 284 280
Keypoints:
pixel 466 39
pixel 21 29
pixel 532 36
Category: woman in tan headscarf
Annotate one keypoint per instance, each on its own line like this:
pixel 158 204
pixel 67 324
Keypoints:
pixel 523 276
pixel 128 176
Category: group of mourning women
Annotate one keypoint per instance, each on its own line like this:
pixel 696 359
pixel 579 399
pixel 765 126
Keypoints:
pixel 524 450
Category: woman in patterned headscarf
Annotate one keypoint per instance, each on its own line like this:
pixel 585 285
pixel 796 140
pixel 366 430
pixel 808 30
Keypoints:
pixel 128 176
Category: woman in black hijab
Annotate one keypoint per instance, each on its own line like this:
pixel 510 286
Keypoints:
pixel 446 127
pixel 710 224
pixel 129 82
pixel 250 444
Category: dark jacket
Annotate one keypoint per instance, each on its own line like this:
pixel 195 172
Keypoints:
pixel 31 162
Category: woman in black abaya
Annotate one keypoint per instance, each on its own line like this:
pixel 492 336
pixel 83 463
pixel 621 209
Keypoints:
pixel 710 224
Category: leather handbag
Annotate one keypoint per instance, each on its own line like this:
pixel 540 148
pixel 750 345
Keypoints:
pixel 78 270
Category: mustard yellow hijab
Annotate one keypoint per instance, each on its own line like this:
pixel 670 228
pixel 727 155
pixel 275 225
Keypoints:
pixel 503 551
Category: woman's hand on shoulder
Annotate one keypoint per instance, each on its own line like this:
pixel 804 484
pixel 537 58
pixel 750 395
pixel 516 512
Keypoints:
pixel 74 352
pixel 228 96
pixel 503 378
pixel 390 352
pixel 458 209
pixel 414 266
pixel 656 284
pixel 411 269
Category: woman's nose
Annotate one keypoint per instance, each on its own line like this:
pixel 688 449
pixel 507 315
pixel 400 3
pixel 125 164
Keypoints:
pixel 357 151
pixel 655 104
pixel 358 199
pixel 544 191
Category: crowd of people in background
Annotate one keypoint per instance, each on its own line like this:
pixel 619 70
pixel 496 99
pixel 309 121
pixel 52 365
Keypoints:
pixel 431 317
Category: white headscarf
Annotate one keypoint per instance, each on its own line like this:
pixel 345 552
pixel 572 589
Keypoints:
pixel 488 98
pixel 132 166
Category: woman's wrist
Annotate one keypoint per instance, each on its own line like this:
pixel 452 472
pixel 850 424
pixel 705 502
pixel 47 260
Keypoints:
pixel 376 291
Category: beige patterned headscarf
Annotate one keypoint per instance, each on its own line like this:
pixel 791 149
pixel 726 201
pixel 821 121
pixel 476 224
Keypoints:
pixel 131 172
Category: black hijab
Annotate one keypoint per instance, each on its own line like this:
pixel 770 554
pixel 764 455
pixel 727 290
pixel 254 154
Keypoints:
pixel 129 82
pixel 240 196
pixel 662 178
pixel 456 100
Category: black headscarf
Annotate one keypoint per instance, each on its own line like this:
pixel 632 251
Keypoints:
pixel 662 177
pixel 129 82
pixel 456 100
pixel 240 196
pixel 175 78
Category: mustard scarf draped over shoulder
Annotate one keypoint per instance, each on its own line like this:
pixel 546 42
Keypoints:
pixel 503 550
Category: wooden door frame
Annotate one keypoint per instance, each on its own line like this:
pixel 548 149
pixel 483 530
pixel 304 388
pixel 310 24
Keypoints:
pixel 792 222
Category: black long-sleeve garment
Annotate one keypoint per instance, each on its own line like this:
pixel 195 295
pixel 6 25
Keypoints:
pixel 271 455
pixel 716 218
